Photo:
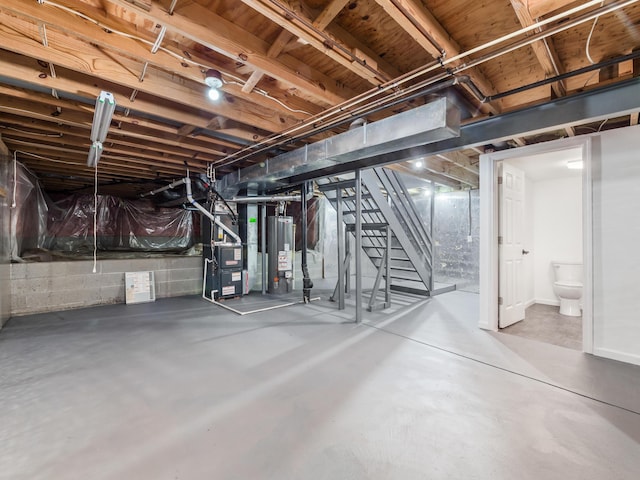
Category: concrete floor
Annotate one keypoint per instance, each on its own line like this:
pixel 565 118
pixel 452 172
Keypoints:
pixel 180 389
pixel 545 324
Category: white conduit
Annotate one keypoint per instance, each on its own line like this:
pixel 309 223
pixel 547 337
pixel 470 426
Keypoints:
pixel 396 83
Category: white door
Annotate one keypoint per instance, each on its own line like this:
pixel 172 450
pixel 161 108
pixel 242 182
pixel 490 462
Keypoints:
pixel 510 247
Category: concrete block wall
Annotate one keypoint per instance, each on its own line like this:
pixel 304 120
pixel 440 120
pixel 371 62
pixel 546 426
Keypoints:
pixel 53 286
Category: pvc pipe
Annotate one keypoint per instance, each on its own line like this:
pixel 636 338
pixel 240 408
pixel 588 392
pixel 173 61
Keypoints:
pixel 204 211
pixel 267 198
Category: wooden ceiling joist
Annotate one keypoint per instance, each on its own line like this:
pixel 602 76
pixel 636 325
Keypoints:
pixel 240 45
pixel 285 65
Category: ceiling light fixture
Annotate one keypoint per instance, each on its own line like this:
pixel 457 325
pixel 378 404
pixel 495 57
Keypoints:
pixel 105 106
pixel 213 79
pixel 575 164
pixel 418 164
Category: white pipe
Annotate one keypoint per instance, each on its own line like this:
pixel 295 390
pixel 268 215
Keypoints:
pixel 267 198
pixel 213 218
pixel 238 312
pixel 409 76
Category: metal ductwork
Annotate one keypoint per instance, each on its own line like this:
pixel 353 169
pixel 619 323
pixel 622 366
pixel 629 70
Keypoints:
pixel 435 121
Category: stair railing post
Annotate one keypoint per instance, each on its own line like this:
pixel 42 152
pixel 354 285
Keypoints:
pixel 387 281
pixel 358 247
pixel 341 256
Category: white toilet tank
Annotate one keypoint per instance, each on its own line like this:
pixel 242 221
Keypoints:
pixel 567 271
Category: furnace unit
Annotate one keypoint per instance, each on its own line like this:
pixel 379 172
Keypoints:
pixel 222 254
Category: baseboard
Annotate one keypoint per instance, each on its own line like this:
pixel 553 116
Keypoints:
pixel 617 355
pixel 553 303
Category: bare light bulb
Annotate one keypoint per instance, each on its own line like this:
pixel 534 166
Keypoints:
pixel 213 94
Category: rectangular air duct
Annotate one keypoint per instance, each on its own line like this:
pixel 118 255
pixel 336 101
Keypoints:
pixel 435 121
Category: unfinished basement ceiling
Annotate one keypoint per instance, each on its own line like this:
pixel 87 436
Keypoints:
pixel 294 72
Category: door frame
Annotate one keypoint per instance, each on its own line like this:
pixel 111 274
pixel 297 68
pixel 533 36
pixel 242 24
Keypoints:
pixel 489 258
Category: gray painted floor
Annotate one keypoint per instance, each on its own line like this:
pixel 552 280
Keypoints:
pixel 181 389
pixel 545 324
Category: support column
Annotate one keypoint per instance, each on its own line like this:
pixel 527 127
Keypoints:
pixel 341 250
pixel 358 249
pixel 263 244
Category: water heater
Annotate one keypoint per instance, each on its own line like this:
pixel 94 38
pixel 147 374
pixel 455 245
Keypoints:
pixel 280 248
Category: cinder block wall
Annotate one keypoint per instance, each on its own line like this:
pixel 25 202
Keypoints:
pixel 53 286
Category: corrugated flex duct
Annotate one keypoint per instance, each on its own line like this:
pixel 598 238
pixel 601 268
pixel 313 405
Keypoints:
pixel 435 121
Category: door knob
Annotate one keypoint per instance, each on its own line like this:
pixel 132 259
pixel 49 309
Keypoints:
pixel 525 252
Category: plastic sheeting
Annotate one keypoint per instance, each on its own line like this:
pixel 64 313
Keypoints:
pixel 37 223
pixel 28 211
pixel 5 240
pixel 122 225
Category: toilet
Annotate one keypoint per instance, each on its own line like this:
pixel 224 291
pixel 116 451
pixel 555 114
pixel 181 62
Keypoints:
pixel 568 287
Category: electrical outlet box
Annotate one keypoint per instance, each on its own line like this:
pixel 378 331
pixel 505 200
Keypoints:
pixel 469 239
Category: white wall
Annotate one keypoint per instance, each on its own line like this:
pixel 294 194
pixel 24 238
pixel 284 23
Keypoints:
pixel 557 231
pixel 616 244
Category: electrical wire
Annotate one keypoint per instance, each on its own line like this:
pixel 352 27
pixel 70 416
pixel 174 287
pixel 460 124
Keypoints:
pixel 595 21
pixel 602 124
pixel 52 135
pixel 182 58
pixel 395 84
pixel 44 158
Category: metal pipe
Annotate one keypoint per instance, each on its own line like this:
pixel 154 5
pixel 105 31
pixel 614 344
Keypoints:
pixel 263 245
pixel 238 312
pixel 307 284
pixel 580 71
pixel 341 248
pixel 545 33
pixel 266 198
pixel 213 218
pixel 162 189
pixel 271 141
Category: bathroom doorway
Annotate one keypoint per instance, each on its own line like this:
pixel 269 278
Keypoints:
pixel 551 232
pixel 554 227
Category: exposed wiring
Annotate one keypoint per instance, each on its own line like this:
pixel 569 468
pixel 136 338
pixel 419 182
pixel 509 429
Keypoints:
pixel 95 217
pixel 182 58
pixel 43 158
pixel 602 124
pixel 287 135
pixel 267 95
pixel 595 21
pixel 52 135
